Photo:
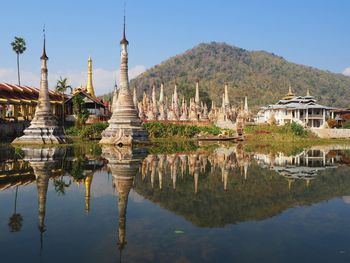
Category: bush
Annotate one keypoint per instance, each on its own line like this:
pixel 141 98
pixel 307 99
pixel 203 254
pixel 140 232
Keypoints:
pixel 346 125
pixel 297 129
pixel 165 130
pixel 73 131
pixel 92 131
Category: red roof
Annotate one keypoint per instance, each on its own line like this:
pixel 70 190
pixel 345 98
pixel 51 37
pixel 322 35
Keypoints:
pixel 11 91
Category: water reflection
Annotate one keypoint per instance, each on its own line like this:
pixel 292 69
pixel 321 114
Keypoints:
pixel 209 187
pixel 124 164
pixel 45 163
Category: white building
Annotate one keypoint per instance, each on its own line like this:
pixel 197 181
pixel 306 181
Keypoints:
pixel 300 109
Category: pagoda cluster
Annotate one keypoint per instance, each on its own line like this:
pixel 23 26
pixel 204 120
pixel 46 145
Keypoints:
pixel 178 109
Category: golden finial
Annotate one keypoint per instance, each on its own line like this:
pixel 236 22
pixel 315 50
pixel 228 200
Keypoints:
pixel 89 86
pixel 308 92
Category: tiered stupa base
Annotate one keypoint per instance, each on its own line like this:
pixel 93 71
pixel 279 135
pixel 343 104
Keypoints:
pixel 43 131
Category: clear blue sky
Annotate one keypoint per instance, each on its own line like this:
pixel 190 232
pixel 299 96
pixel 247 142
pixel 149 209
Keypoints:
pixel 310 32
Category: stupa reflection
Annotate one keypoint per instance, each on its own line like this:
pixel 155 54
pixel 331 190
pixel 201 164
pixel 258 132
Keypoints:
pixel 45 163
pixel 124 164
pixel 195 164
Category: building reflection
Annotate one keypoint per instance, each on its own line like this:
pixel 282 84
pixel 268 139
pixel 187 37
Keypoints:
pixel 304 165
pixel 124 164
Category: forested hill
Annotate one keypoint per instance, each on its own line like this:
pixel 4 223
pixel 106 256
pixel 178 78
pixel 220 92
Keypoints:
pixel 262 76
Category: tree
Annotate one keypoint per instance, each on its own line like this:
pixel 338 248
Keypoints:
pixel 61 87
pixel 80 110
pixel 18 46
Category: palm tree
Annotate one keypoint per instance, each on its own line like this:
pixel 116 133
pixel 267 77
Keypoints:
pixel 62 87
pixel 19 46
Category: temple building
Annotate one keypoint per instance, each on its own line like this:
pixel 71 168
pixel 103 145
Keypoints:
pixel 98 110
pixel 303 110
pixel 19 102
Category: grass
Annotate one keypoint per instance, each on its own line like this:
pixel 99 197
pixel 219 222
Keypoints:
pixel 286 139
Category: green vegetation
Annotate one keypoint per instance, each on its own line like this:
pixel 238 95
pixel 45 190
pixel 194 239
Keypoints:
pixel 346 125
pixel 79 110
pixel 289 139
pixel 91 131
pixel 286 133
pixel 168 130
pixel 298 129
pixel 18 46
pixel 262 76
pixel 61 87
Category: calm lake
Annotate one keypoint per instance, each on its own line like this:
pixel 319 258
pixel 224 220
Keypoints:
pixel 210 203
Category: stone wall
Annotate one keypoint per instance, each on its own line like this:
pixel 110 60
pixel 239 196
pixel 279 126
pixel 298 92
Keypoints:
pixel 331 133
pixel 10 130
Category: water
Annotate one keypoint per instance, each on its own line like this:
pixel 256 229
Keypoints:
pixel 206 204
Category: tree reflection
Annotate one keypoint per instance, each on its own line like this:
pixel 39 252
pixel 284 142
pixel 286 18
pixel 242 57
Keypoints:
pixel 16 220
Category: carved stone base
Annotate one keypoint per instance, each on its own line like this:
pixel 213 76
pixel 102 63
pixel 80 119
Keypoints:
pixel 124 136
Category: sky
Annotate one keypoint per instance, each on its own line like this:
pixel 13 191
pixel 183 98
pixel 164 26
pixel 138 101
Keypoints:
pixel 310 32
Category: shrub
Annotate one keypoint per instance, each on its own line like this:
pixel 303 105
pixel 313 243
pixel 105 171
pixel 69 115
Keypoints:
pixel 346 125
pixel 297 129
pixel 93 131
pixel 164 130
pixel 73 131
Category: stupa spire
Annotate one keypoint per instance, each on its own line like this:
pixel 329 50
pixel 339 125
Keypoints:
pixel 227 100
pixel 246 104
pixel 89 85
pixel 43 56
pixel 308 92
pixel 124 40
pixel 197 93
pixel 161 96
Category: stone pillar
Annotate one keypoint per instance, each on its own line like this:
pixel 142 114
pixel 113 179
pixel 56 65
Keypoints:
pixel 323 117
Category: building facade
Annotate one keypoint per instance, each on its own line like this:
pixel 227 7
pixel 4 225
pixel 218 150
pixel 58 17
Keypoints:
pixel 303 110
pixel 19 102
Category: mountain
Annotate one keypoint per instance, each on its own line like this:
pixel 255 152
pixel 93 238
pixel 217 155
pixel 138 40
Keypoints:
pixel 262 76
